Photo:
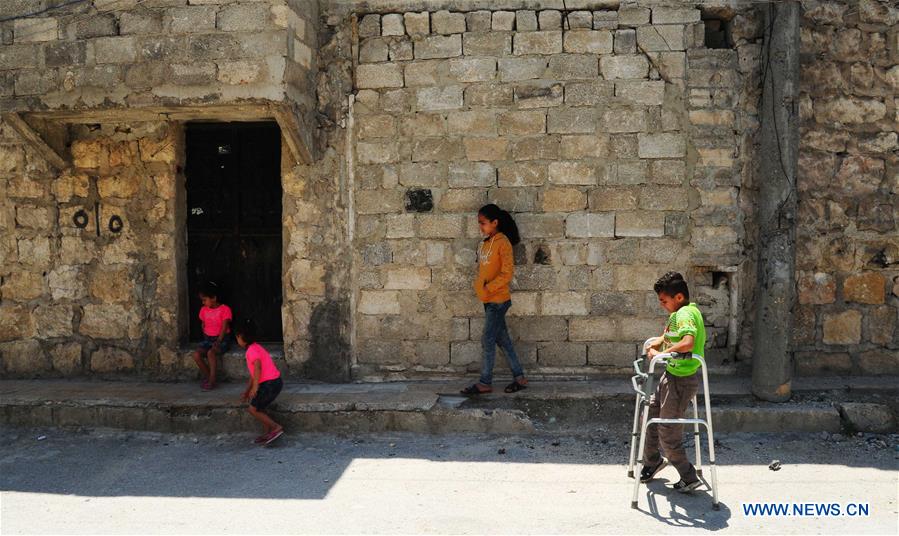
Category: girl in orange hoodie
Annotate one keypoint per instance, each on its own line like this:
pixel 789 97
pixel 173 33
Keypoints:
pixel 495 269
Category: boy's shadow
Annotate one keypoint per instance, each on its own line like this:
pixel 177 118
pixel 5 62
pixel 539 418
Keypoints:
pixel 685 509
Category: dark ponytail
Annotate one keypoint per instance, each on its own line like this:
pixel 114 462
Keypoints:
pixel 506 225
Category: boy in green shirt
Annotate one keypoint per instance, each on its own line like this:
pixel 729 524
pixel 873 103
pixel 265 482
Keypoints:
pixel 684 334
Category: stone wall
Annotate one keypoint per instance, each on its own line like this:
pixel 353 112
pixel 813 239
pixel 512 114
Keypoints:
pixel 848 254
pixel 90 259
pixel 136 54
pixel 616 139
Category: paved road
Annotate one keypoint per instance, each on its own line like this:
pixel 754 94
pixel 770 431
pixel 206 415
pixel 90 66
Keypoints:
pixel 94 483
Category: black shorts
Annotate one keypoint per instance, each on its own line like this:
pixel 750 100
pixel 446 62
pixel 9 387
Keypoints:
pixel 209 341
pixel 267 393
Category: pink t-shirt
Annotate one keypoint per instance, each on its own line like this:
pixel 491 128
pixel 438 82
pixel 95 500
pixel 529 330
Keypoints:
pixel 214 319
pixel 269 371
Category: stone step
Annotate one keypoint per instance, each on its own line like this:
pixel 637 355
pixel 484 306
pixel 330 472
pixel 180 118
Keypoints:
pixel 426 407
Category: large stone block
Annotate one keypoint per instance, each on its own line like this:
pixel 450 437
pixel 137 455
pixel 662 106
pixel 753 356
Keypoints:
pixel 465 353
pixel 866 287
pixel 494 44
pixel 408 278
pixel 417 24
pixel 381 152
pixel 15 322
pixel 564 200
pixel 590 225
pixel 378 76
pixel 822 363
pixel 34 251
pixel 618 120
pixel 440 226
pixel 66 358
pixel 549 42
pixel 522 174
pixel 190 19
pixel 110 321
pixel 879 362
pixel 478 21
pixel 843 327
pixel 583 146
pixel 539 94
pixel 588 42
pixel 439 98
pixel 880 324
pixel 486 149
pixel 663 145
pixel 817 288
pixel 243 17
pixel 53 320
pixel 674 15
pixel 438 46
pixel 611 354
pixel 624 66
pixel 669 37
pixel 564 303
pixel 539 328
pixel 444 22
pixel 392 24
pixel 111 360
pixel 471 175
pixel 522 123
pixel 23 286
pixel 613 199
pixel 379 302
pixel 592 329
pixel 472 69
pixel 650 93
pixel 571 121
pixel 573 67
pixel 849 110
pixel 514 69
pixel 578 173
pixel 24 357
pixel 562 354
pixel 35 30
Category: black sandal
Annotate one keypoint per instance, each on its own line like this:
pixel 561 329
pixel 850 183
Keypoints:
pixel 514 387
pixel 472 390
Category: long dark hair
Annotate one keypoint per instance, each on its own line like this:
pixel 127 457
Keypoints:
pixel 506 225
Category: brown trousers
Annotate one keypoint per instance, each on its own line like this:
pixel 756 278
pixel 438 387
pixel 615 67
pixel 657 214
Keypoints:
pixel 670 401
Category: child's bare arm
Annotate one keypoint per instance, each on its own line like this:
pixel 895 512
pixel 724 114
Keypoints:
pixel 225 325
pixel 685 345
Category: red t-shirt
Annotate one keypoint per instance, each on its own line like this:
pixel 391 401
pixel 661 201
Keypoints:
pixel 214 318
pixel 268 371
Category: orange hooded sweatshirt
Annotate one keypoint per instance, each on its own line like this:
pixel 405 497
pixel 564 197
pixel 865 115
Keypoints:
pixel 495 269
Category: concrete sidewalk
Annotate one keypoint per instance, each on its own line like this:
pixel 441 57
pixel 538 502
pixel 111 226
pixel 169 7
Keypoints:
pixel 431 407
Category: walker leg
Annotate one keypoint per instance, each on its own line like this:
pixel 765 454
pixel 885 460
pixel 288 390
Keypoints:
pixel 708 420
pixel 630 459
pixel 640 454
pixel 697 439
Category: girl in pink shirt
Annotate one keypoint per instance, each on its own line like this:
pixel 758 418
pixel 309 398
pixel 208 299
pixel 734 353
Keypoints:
pixel 264 385
pixel 216 319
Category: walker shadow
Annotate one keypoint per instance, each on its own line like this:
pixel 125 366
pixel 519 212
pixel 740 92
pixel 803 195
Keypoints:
pixel 688 510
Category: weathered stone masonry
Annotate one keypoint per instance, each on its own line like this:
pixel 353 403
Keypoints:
pixel 622 143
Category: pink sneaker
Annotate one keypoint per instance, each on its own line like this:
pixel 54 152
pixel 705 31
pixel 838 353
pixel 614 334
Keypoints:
pixel 206 386
pixel 273 436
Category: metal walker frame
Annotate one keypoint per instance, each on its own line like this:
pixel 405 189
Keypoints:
pixel 641 416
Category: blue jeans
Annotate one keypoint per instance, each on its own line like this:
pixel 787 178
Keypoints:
pixel 496 332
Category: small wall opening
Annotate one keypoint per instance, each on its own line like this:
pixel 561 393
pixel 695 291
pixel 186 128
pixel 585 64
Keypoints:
pixel 718 29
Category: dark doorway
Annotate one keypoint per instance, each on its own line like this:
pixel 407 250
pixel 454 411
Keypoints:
pixel 233 174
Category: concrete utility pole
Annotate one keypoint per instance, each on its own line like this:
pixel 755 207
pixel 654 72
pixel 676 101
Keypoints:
pixel 778 162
